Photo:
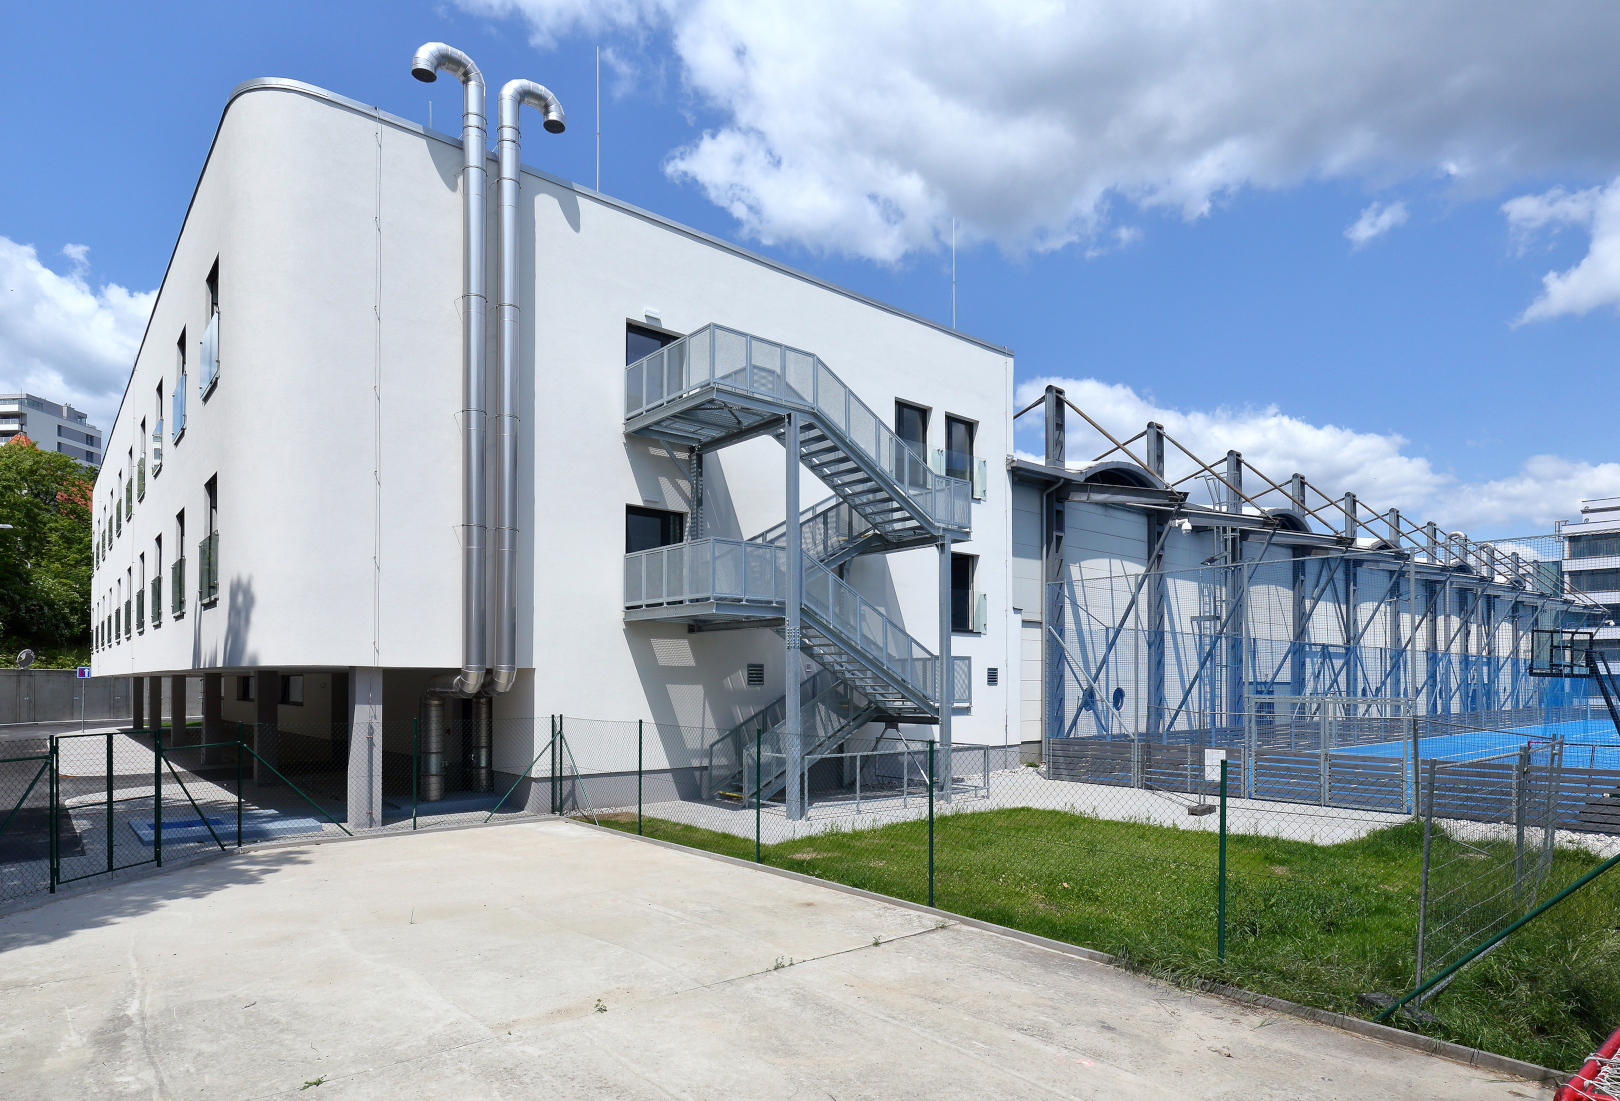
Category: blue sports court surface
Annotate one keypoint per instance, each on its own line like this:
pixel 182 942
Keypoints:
pixel 1588 743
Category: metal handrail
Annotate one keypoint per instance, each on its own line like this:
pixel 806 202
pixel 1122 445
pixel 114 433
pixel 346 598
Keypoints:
pixel 739 572
pixel 728 359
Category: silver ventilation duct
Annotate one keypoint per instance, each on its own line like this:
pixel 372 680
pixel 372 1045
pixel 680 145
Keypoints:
pixel 424 67
pixel 513 96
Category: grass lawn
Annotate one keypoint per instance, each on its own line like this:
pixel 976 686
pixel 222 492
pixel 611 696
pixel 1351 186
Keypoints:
pixel 1316 924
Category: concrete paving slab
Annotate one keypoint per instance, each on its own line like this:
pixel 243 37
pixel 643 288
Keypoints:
pixel 544 959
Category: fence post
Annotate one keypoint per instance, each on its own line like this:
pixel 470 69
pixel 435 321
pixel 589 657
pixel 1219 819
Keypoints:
pixel 416 749
pixel 638 774
pixel 1423 882
pixel 110 859
pixel 54 788
pixel 931 822
pixel 1417 775
pixel 157 794
pixel 239 756
pixel 553 764
pixel 1220 888
pixel 759 756
pixel 1521 778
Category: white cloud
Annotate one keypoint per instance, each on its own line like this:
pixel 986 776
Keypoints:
pixel 1374 466
pixel 1375 221
pixel 1593 282
pixel 863 126
pixel 61 338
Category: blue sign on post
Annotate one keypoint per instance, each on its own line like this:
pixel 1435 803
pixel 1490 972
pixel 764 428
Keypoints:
pixel 84 672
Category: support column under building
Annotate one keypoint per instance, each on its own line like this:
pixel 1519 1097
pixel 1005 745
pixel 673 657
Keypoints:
pixel 138 703
pixel 154 702
pixel 793 724
pixel 213 728
pixel 266 729
pixel 177 711
pixel 365 694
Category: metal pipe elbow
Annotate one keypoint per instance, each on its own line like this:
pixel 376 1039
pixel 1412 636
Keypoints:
pixel 502 681
pixel 433 56
pixel 469 683
pixel 516 93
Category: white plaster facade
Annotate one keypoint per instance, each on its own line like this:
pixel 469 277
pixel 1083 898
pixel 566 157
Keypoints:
pixel 331 434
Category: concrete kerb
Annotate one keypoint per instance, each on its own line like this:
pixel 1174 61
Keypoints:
pixel 1468 1056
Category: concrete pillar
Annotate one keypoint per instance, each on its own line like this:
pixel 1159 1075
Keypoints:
pixel 793 724
pixel 266 735
pixel 154 702
pixel 177 710
pixel 139 702
pixel 213 731
pixel 365 747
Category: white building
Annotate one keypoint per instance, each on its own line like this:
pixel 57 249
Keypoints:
pixel 51 425
pixel 284 499
pixel 1591 560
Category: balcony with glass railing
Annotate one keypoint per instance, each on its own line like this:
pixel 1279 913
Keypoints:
pixel 761 371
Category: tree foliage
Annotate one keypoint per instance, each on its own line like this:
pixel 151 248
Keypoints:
pixel 45 559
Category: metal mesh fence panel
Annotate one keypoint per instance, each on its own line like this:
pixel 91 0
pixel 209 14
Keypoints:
pixel 26 788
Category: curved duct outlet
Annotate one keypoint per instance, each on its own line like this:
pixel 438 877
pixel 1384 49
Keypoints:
pixel 424 67
pixel 514 95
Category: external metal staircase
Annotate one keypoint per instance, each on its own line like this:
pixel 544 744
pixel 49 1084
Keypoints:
pixel 717 387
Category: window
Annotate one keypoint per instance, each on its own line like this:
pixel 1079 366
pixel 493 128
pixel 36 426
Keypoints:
pixel 292 690
pixel 157 434
pixel 911 425
pixel 140 464
pixel 646 528
pixel 209 367
pixel 157 582
pixel 177 571
pixel 967 605
pixel 180 388
pixel 756 674
pixel 1601 545
pixel 1593 581
pixel 959 448
pixel 244 688
pixel 641 342
pixel 208 549
pixel 140 594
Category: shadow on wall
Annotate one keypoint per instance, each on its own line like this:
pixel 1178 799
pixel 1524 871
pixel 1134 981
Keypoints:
pixel 661 478
pixel 233 648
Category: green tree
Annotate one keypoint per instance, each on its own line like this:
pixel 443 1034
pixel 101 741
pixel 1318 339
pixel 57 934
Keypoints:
pixel 45 559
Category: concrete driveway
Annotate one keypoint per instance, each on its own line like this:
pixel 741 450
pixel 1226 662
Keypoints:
pixel 548 960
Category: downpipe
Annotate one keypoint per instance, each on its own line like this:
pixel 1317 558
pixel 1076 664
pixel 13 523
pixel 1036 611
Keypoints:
pixel 432 57
pixel 514 95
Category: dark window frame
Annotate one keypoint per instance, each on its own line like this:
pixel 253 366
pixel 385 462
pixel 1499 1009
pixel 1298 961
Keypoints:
pixel 673 527
pixel 962 599
pixel 642 340
pixel 924 414
pixel 965 471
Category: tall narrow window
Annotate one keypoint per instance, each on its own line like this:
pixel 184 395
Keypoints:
pixel 208 549
pixel 180 388
pixel 967 613
pixel 959 448
pixel 157 582
pixel 911 425
pixel 157 433
pixel 177 571
pixel 140 594
pixel 209 368
pixel 140 463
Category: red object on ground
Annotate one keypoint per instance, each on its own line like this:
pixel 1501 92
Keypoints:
pixel 1599 1077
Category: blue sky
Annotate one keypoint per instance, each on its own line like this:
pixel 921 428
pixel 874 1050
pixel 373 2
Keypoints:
pixel 1205 278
